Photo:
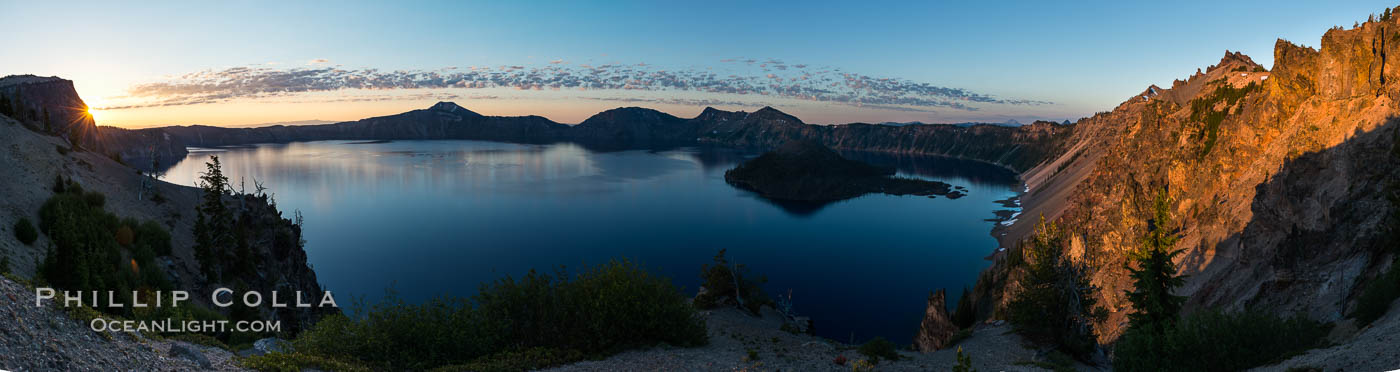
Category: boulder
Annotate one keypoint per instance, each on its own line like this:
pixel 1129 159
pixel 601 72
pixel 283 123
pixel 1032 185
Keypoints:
pixel 183 351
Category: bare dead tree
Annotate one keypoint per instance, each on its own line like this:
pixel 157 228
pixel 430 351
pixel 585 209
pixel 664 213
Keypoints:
pixel 258 188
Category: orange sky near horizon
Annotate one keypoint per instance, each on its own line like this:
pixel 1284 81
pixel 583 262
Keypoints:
pixel 557 106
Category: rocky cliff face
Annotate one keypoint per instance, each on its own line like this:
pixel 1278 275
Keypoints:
pixel 1279 179
pixel 49 105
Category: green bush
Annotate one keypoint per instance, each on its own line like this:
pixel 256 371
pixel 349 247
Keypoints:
pixel 964 362
pixel 1217 341
pixel 719 281
pixel 878 348
pixel 25 231
pixel 1375 300
pixel 601 311
pixel 513 361
pixel 297 362
pixel 88 253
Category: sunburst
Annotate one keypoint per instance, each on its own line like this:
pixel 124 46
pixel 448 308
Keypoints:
pixel 93 113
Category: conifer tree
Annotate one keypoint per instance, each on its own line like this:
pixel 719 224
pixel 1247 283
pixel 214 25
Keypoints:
pixel 213 227
pixel 1155 275
pixel 5 106
pixel 1056 303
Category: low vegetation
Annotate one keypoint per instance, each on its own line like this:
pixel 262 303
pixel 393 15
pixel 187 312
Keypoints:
pixel 25 231
pixel 1158 339
pixel 537 321
pixel 94 250
pixel 964 362
pixel 1217 341
pixel 283 362
pixel 1203 111
pixel 1375 300
pixel 877 349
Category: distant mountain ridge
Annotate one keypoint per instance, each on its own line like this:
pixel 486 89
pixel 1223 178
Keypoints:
pixel 1017 148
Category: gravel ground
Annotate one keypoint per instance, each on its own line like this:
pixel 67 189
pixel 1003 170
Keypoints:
pixel 46 339
pixel 733 333
pixel 1374 348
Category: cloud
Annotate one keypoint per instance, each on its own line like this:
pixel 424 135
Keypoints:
pixel 683 101
pixel 826 85
pixel 318 61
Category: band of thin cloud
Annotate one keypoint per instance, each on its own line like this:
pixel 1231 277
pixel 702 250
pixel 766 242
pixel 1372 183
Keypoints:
pixel 772 78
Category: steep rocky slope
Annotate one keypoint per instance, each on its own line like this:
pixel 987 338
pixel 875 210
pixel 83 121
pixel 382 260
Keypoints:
pixel 1280 180
pixel 46 339
pixel 31 160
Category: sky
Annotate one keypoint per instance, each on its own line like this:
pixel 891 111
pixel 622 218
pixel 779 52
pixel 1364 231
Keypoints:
pixel 249 62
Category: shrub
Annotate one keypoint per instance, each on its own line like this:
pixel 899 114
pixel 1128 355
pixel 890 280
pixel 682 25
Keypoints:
pixel 964 315
pixel 599 312
pixel 512 361
pixel 719 282
pixel 1375 300
pixel 297 362
pixel 86 251
pixel 1217 341
pixel 878 348
pixel 25 231
pixel 964 362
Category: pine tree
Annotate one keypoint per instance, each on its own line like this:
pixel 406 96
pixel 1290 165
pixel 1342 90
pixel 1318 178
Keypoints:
pixel 1155 275
pixel 964 315
pixel 5 106
pixel 213 222
pixel 1056 303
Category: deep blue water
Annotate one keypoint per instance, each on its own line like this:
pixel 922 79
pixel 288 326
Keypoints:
pixel 440 217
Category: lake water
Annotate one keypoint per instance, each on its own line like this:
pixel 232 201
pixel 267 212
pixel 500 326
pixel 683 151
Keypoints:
pixel 440 217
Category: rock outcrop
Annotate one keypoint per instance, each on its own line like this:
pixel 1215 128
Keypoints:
pixel 937 327
pixel 49 105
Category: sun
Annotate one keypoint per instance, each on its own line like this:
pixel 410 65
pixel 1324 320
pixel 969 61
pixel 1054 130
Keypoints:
pixel 94 113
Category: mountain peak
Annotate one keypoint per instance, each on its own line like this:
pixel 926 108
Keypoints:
pixel 1235 60
pixel 714 114
pixel 629 115
pixel 446 106
pixel 770 113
